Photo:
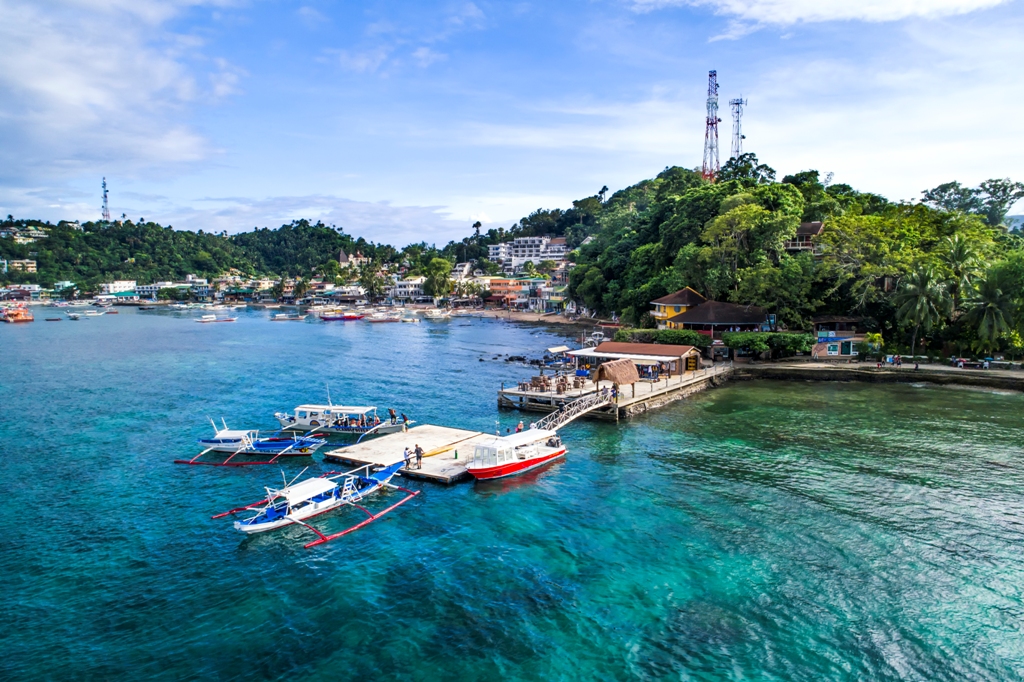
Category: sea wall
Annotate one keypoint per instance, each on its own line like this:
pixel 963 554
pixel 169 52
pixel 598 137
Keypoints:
pixel 871 374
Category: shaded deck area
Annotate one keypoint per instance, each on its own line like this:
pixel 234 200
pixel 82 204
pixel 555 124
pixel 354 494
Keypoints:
pixel 631 400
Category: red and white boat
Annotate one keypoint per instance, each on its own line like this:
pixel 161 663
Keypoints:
pixel 518 453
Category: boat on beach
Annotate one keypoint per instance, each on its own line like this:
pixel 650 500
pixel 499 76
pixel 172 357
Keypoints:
pixel 296 502
pixel 515 454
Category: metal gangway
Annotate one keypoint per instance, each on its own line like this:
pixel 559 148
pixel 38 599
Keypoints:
pixel 573 410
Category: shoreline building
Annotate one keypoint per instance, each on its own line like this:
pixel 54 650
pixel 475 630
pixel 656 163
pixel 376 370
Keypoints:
pixel 674 304
pixel 516 253
pixel 117 286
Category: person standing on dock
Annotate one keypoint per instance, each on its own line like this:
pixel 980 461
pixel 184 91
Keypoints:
pixel 419 456
pixel 393 415
pixel 407 456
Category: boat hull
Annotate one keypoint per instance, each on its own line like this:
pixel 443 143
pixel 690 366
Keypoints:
pixel 515 468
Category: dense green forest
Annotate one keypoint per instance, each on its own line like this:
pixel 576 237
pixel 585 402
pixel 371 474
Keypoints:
pixel 942 274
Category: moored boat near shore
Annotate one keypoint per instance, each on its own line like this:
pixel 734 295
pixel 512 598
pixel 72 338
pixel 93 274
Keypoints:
pixel 18 313
pixel 515 454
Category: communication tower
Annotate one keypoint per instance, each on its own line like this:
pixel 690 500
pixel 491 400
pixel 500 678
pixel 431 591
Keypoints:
pixel 737 126
pixel 106 207
pixel 710 167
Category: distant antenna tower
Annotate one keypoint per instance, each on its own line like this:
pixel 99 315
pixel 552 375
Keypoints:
pixel 106 207
pixel 710 168
pixel 737 127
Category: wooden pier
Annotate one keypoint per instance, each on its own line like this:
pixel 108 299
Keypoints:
pixel 446 452
pixel 631 400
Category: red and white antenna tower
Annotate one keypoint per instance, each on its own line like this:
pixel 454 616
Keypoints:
pixel 106 207
pixel 710 168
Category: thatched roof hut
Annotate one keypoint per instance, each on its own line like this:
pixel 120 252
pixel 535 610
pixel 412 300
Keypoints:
pixel 621 372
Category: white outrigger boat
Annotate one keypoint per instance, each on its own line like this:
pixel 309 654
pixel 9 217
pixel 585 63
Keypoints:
pixel 296 502
pixel 515 454
pixel 437 314
pixel 248 442
pixel 340 419
pixel 207 319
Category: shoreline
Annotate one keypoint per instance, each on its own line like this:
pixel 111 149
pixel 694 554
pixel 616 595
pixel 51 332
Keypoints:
pixel 868 373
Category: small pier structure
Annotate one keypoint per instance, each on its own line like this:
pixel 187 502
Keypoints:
pixel 446 452
pixel 631 399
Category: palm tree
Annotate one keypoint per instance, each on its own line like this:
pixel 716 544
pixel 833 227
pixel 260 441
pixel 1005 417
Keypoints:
pixel 963 261
pixel 301 287
pixel 923 302
pixel 371 281
pixel 990 306
pixel 439 281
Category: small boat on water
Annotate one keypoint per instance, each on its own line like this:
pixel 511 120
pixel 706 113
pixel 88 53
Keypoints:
pixel 384 317
pixel 74 316
pixel 55 319
pixel 206 319
pixel 297 502
pixel 92 313
pixel 340 316
pixel 287 317
pixel 409 318
pixel 437 314
pixel 339 419
pixel 110 312
pixel 147 307
pixel 515 454
pixel 248 442
pixel 178 306
pixel 18 313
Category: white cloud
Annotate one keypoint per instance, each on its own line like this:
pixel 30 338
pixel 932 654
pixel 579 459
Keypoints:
pixel 311 17
pixel 74 97
pixel 365 61
pixel 424 56
pixel 786 12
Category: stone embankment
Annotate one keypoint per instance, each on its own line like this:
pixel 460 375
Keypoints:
pixel 1012 380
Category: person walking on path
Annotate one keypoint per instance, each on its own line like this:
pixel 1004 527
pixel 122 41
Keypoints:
pixel 419 456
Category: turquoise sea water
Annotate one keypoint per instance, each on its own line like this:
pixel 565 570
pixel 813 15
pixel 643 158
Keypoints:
pixel 786 531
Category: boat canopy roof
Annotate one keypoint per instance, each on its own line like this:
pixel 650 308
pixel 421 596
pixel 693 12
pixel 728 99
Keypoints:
pixel 559 349
pixel 338 409
pixel 234 433
pixel 637 359
pixel 516 440
pixel 304 490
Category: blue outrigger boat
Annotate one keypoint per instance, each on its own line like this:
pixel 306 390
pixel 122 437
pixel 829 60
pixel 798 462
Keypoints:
pixel 296 502
pixel 248 442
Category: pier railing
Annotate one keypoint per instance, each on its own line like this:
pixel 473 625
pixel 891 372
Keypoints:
pixel 571 411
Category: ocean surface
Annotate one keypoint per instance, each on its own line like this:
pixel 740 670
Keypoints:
pixel 759 531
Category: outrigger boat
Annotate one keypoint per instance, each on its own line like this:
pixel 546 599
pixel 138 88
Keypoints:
pixel 341 419
pixel 206 319
pixel 287 317
pixel 296 502
pixel 515 454
pixel 340 316
pixel 248 442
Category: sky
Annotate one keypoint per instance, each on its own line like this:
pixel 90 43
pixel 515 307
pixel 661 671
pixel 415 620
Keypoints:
pixel 407 121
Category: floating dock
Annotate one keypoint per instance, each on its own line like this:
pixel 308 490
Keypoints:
pixel 446 452
pixel 631 400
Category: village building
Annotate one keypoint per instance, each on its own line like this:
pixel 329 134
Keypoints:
pixel 21 265
pixel 117 286
pixel 714 317
pixel 652 359
pixel 804 239
pixel 516 253
pixel 837 336
pixel 357 261
pixel 674 304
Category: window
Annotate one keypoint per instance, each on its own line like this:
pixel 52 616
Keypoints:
pixel 677 308
pixel 833 349
pixel 302 415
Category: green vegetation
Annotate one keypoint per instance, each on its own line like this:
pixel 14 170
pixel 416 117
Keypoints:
pixel 944 274
pixel 778 343
pixel 679 337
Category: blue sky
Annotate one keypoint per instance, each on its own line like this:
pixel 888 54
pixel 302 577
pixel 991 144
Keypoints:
pixel 407 121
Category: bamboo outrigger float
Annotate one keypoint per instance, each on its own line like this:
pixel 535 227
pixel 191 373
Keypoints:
pixel 296 502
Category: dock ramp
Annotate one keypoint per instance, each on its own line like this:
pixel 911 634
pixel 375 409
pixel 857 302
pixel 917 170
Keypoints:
pixel 572 411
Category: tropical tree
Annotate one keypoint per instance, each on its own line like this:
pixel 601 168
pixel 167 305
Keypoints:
pixel 371 281
pixel 439 281
pixel 301 287
pixel 964 262
pixel 923 302
pixel 990 307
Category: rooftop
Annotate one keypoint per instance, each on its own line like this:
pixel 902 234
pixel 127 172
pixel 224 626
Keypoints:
pixel 685 296
pixel 718 312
